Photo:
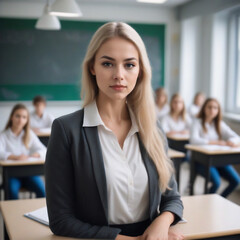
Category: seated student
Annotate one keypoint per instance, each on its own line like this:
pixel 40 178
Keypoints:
pixel 210 129
pixel 18 142
pixel 40 119
pixel 197 104
pixel 161 100
pixel 107 172
pixel 177 121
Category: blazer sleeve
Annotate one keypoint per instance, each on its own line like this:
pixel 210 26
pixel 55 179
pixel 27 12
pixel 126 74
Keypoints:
pixel 60 191
pixel 171 201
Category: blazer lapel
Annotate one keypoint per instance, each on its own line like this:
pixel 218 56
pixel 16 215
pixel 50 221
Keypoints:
pixel 98 165
pixel 152 179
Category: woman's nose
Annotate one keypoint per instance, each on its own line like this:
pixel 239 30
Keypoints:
pixel 118 73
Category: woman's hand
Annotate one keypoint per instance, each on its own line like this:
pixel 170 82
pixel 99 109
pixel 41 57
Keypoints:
pixel 35 155
pixel 18 157
pixel 159 229
pixel 218 142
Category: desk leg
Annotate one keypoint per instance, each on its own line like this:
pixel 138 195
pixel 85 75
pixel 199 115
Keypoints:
pixel 177 163
pixel 6 237
pixel 192 173
pixel 5 183
pixel 207 176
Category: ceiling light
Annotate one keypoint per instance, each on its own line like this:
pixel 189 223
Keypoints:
pixel 65 8
pixel 152 1
pixel 47 21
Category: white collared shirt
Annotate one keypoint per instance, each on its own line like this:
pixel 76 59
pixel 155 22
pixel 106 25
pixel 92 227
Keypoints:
pixel 126 175
pixel 169 124
pixel 162 112
pixel 41 122
pixel 10 144
pixel 198 136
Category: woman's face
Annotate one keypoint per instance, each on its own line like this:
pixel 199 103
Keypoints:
pixel 19 118
pixel 116 67
pixel 177 104
pixel 211 110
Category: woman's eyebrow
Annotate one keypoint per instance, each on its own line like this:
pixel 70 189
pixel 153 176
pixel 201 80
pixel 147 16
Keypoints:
pixel 112 59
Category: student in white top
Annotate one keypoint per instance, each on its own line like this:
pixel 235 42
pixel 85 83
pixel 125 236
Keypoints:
pixel 107 173
pixel 210 129
pixel 197 104
pixel 161 100
pixel 177 121
pixel 40 119
pixel 18 142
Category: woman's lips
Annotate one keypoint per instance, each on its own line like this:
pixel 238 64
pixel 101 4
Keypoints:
pixel 118 87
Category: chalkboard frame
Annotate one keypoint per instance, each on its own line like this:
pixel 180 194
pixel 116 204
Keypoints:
pixel 70 92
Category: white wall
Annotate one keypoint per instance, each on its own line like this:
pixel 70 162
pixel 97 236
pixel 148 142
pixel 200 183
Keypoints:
pixel 105 12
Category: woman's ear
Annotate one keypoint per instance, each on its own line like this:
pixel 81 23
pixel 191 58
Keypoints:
pixel 92 70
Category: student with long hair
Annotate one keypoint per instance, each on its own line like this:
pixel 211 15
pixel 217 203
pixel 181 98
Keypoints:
pixel 161 100
pixel 18 142
pixel 210 129
pixel 177 121
pixel 107 172
pixel 198 101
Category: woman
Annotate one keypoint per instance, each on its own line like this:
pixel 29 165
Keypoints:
pixel 162 106
pixel 18 142
pixel 197 104
pixel 177 121
pixel 107 172
pixel 210 129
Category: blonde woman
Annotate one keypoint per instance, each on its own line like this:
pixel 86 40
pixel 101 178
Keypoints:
pixel 177 121
pixel 162 106
pixel 18 142
pixel 107 172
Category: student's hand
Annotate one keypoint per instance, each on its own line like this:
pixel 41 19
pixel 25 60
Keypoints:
pixel 218 142
pixel 36 130
pixel 18 157
pixel 123 237
pixel 231 144
pixel 35 155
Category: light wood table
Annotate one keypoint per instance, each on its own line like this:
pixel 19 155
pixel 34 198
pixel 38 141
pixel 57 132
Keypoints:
pixel 176 157
pixel 178 142
pixel 23 168
pixel 208 158
pixel 208 217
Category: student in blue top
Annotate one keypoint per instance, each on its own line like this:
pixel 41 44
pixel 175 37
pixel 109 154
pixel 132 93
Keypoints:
pixel 210 129
pixel 18 142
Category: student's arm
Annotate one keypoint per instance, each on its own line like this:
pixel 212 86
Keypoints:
pixel 37 149
pixel 195 134
pixel 60 191
pixel 165 124
pixel 4 155
pixel 229 135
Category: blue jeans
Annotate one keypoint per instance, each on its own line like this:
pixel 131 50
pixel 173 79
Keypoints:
pixel 33 184
pixel 227 172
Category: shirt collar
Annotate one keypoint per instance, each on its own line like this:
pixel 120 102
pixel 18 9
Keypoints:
pixel 10 132
pixel 92 118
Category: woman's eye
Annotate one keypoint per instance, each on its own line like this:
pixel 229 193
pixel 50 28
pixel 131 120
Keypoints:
pixel 107 64
pixel 130 65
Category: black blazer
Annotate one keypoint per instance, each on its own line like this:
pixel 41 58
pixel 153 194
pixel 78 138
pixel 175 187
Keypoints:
pixel 76 189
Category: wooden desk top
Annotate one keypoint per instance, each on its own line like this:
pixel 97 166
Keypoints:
pixel 212 150
pixel 179 137
pixel 44 134
pixel 207 216
pixel 9 163
pixel 175 154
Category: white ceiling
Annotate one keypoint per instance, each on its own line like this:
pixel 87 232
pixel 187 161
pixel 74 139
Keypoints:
pixel 168 3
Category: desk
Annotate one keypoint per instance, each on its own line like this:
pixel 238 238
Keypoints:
pixel 178 142
pixel 44 137
pixel 208 216
pixel 23 168
pixel 176 157
pixel 210 158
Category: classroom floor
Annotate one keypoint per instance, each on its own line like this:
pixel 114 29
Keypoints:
pixel 184 178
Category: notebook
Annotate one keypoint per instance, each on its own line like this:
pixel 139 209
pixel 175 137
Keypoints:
pixel 39 215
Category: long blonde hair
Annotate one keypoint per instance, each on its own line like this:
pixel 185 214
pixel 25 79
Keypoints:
pixel 140 100
pixel 183 112
pixel 26 128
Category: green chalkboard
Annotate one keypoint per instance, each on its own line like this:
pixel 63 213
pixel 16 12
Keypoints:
pixel 48 63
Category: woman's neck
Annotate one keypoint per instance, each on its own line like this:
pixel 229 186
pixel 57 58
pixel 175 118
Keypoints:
pixel 175 115
pixel 112 110
pixel 16 130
